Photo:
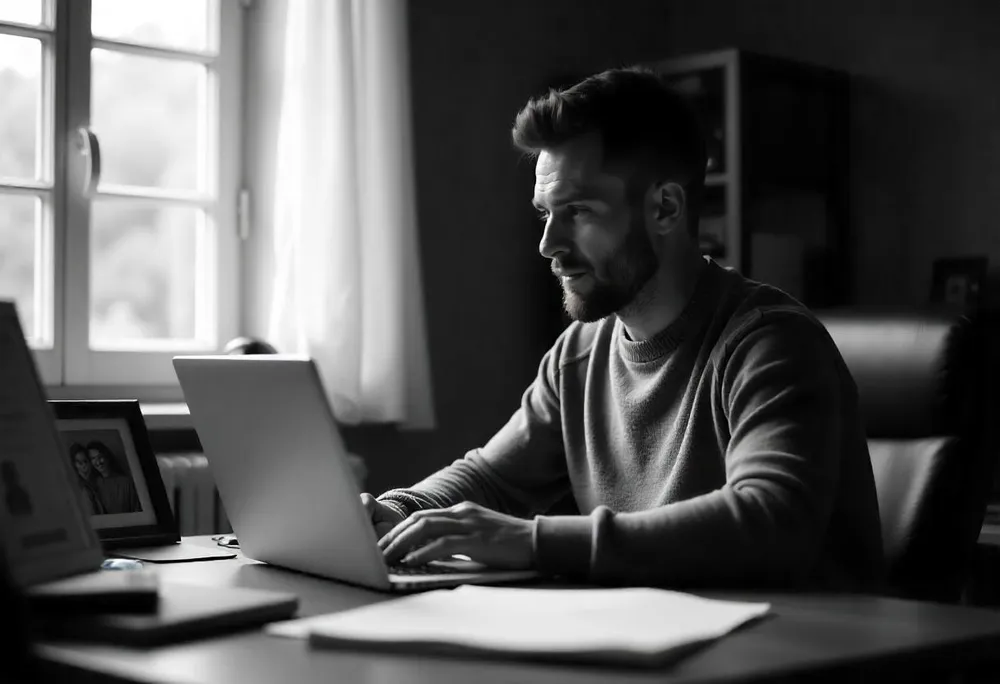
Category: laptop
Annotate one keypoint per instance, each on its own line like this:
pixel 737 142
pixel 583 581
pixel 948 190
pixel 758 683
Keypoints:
pixel 283 475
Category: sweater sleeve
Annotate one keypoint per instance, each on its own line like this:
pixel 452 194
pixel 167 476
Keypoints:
pixel 778 388
pixel 520 471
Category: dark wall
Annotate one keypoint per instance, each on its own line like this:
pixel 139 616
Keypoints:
pixel 925 118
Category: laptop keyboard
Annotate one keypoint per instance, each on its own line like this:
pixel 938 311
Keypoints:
pixel 410 570
pixel 420 570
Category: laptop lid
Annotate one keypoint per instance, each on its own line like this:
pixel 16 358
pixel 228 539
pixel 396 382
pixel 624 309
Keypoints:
pixel 280 464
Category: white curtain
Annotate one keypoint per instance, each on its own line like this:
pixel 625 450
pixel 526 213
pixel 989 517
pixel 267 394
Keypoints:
pixel 347 287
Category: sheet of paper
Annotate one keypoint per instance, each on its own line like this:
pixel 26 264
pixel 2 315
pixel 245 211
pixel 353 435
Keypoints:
pixel 298 628
pixel 617 623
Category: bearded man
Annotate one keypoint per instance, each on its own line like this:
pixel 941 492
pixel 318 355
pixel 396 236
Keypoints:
pixel 704 424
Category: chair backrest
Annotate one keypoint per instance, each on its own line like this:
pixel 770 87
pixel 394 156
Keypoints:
pixel 923 380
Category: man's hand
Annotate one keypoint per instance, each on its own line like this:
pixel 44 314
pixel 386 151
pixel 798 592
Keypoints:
pixel 383 517
pixel 488 537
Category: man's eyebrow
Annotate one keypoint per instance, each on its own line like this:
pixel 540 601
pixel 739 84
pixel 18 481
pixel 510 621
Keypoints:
pixel 583 195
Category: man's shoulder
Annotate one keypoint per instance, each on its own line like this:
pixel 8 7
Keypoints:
pixel 761 310
pixel 577 342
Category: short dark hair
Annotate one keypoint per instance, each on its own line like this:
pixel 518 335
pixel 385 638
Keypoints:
pixel 639 118
pixel 105 451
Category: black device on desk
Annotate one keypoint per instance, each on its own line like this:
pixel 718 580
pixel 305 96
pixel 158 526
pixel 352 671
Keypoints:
pixel 185 612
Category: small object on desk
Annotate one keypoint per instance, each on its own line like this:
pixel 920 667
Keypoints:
pixel 185 612
pixel 630 626
pixel 102 591
pixel 227 540
pixel 121 564
pixel 173 553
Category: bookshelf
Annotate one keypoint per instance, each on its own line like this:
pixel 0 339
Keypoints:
pixel 776 195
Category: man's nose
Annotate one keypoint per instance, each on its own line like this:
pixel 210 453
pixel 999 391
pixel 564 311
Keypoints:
pixel 554 240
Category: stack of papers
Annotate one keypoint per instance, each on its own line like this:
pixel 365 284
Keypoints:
pixel 624 626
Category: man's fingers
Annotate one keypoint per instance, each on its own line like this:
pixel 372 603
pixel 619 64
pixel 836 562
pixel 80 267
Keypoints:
pixel 441 548
pixel 414 534
pixel 382 529
pixel 406 524
pixel 370 504
pixel 416 529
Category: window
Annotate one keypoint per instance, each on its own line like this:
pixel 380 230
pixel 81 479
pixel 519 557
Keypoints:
pixel 119 158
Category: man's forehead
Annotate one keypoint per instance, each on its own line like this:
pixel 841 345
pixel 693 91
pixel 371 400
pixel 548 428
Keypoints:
pixel 575 160
pixel 573 169
pixel 560 190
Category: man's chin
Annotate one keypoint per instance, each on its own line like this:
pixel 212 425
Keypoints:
pixel 584 311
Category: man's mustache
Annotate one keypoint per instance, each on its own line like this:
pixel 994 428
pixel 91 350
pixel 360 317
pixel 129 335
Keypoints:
pixel 561 268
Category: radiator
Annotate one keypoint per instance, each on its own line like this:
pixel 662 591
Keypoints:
pixel 193 496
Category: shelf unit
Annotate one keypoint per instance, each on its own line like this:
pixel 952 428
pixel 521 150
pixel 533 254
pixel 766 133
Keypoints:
pixel 776 181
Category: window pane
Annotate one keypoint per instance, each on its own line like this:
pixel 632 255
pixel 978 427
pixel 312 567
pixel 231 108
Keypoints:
pixel 21 11
pixel 143 269
pixel 149 115
pixel 18 218
pixel 20 95
pixel 182 24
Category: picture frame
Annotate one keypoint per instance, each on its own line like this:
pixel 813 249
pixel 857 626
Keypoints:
pixel 959 281
pixel 107 447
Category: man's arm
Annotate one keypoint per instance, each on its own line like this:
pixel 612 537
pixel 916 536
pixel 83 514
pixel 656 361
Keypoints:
pixel 520 471
pixel 783 391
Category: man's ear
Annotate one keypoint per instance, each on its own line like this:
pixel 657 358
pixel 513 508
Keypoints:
pixel 669 205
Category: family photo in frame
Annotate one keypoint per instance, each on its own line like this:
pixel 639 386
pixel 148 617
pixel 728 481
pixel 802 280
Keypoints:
pixel 103 473
pixel 115 471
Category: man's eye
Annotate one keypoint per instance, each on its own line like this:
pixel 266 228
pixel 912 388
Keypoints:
pixel 576 210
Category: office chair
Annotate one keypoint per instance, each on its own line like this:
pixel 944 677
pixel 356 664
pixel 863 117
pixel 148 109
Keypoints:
pixel 924 383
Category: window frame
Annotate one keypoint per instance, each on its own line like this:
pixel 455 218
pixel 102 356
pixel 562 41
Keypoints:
pixel 70 368
pixel 48 275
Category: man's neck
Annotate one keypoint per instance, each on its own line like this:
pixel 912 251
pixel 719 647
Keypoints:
pixel 663 299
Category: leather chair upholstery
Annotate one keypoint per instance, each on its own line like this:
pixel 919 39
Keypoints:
pixel 923 381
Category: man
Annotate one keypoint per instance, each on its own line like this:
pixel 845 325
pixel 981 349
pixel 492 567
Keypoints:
pixel 115 489
pixel 705 424
pixel 85 479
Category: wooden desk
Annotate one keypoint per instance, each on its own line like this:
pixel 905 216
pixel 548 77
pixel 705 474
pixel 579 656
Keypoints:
pixel 807 635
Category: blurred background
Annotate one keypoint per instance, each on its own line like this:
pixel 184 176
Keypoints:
pixel 906 214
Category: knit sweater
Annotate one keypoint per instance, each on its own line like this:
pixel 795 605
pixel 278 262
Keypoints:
pixel 727 450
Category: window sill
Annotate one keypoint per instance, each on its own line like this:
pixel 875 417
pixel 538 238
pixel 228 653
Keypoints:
pixel 172 415
pixel 163 408
pixel 147 394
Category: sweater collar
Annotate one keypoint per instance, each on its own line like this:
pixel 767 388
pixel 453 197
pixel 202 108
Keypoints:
pixel 698 306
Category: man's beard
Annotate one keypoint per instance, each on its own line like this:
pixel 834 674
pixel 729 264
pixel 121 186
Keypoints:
pixel 629 269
